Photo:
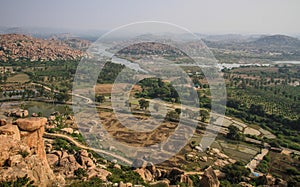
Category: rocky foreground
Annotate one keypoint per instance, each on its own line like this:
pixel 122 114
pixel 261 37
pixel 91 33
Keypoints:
pixel 23 152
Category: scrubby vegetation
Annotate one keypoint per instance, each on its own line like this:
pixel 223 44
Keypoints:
pixel 235 172
pixel 126 174
pixel 20 182
pixel 93 182
pixel 59 144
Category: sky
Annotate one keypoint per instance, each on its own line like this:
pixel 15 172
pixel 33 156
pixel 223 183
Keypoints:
pixel 210 16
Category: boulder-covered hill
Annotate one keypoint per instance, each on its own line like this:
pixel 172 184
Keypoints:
pixel 19 47
pixel 280 41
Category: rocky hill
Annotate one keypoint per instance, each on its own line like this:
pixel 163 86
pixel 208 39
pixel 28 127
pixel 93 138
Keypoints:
pixel 19 47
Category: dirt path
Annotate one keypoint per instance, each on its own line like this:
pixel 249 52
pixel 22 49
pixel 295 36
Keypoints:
pixel 71 140
pixel 256 160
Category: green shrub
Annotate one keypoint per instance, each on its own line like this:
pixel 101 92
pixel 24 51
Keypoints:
pixel 23 153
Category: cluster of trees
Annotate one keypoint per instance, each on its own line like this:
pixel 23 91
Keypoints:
pixel 276 100
pixel 25 94
pixel 62 96
pixel 234 133
pixel 56 71
pixel 156 88
pixel 174 114
pixel 109 72
pixel 284 128
pixel 271 88
pixel 100 98
pixel 235 172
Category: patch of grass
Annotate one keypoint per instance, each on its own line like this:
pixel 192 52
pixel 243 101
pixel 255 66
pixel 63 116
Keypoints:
pixel 19 78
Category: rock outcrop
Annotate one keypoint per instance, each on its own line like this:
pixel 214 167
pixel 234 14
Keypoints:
pixel 150 173
pixel 3 122
pixel 32 130
pixel 22 153
pixel 20 113
pixel 209 178
pixel 31 124
pixel 66 164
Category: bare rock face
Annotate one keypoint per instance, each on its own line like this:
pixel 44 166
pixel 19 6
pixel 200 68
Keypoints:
pixel 145 174
pixel 22 153
pixel 53 160
pixel 68 165
pixel 98 172
pixel 10 130
pixel 84 159
pixel 209 178
pixel 147 171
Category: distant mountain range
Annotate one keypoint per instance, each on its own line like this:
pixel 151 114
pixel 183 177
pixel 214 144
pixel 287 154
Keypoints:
pixel 266 43
pixel 51 44
pixel 40 32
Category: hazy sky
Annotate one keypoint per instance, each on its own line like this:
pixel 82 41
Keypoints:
pixel 210 16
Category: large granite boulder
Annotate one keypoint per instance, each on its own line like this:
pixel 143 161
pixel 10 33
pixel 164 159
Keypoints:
pixel 31 124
